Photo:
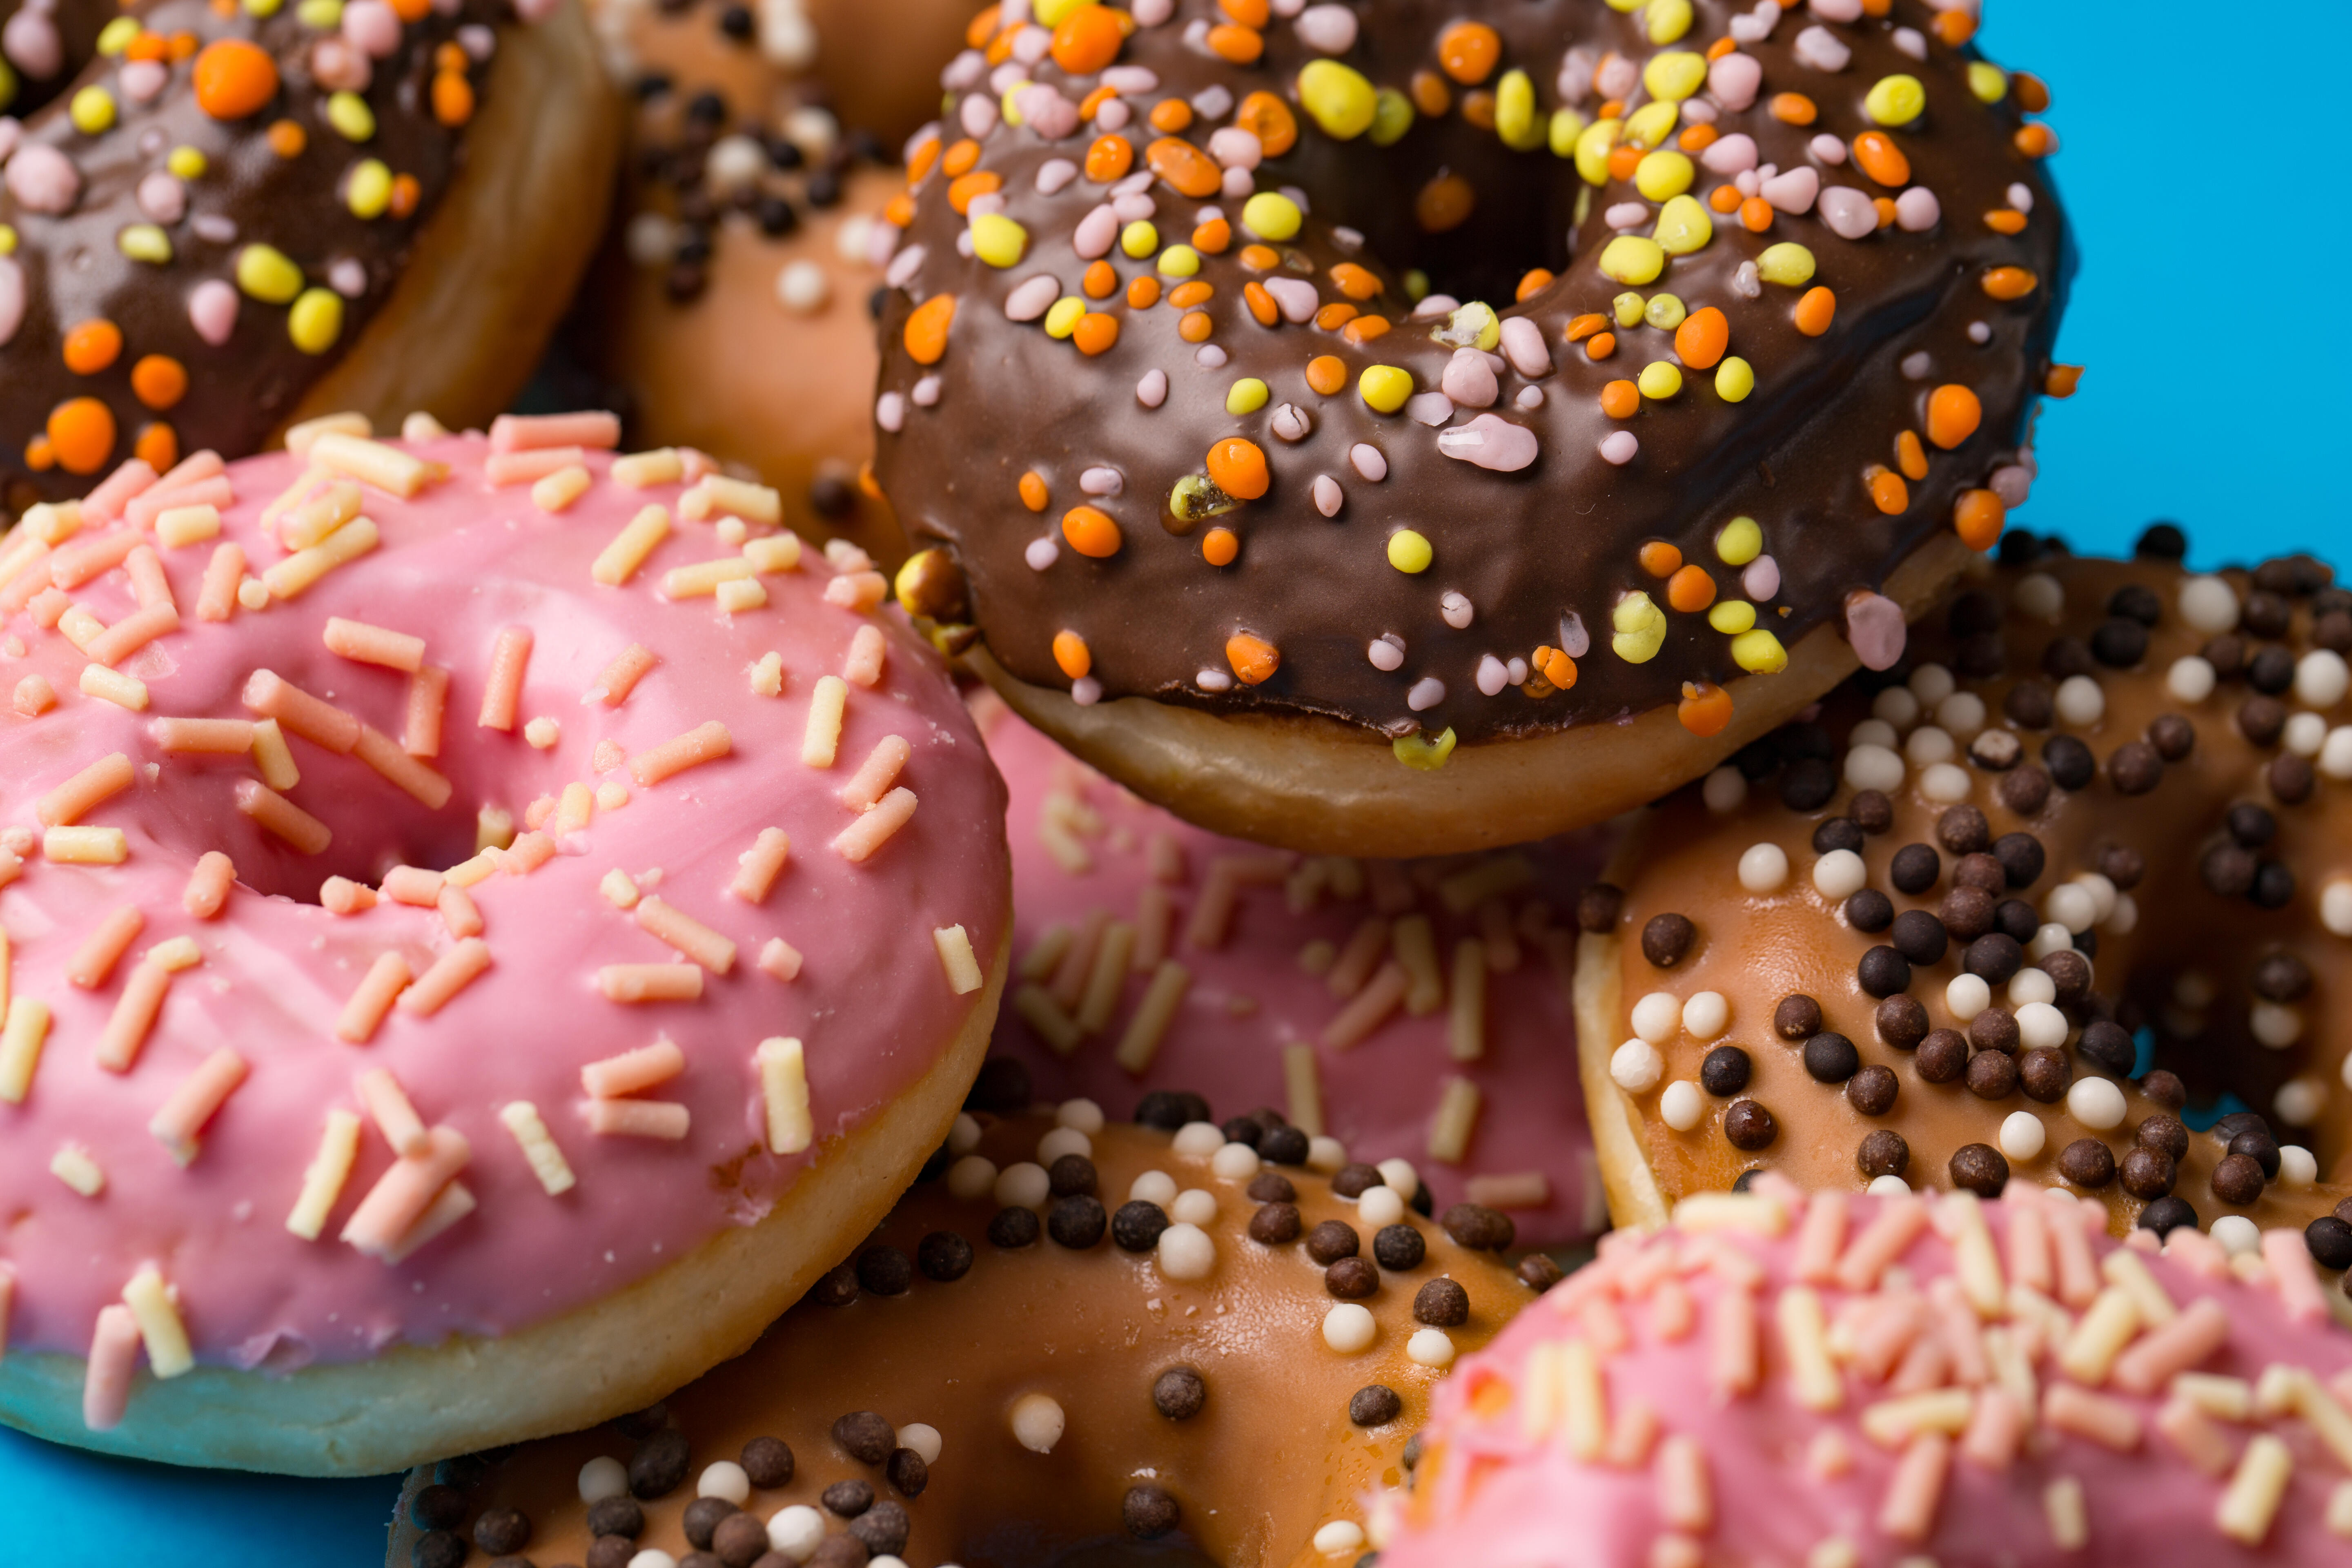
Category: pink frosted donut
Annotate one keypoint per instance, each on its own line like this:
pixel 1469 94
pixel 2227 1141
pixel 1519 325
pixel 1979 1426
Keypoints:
pixel 1330 990
pixel 1869 1382
pixel 486 922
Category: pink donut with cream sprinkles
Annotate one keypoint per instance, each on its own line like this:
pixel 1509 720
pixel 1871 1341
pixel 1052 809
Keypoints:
pixel 454 889
pixel 1844 1381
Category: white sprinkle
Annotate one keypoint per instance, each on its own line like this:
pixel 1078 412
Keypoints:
pixel 1152 390
pixel 1965 996
pixel 1082 1114
pixel 724 1478
pixel 1764 868
pixel 1042 553
pixel 2336 914
pixel 1726 790
pixel 1929 744
pixel 1199 1139
pixel 1682 1105
pixel 1037 1422
pixel 2039 595
pixel 1186 1252
pixel 1324 1153
pixel 2298 1167
pixel 2034 984
pixel 1493 676
pixel 1979 332
pixel 1457 612
pixel 2209 604
pixel 1032 298
pixel 1705 1015
pixel 2190 678
pixel 2298 1103
pixel 1637 1066
pixel 2274 1025
pixel 796 1531
pixel 1887 1186
pixel 973 1177
pixel 1022 1186
pixel 1380 1207
pixel 1399 1175
pixel 803 288
pixel 1656 1017
pixel 602 1477
pixel 1064 1140
pixel 2041 1026
pixel 1153 1187
pixel 1369 461
pixel 1349 1328
pixel 2304 735
pixel 963 1135
pixel 1194 1205
pixel 1839 874
pixel 2239 1236
pixel 2097 1103
pixel 1054 174
pixel 1875 733
pixel 924 1439
pixel 1430 1347
pixel 2321 676
pixel 1235 1161
pixel 2081 703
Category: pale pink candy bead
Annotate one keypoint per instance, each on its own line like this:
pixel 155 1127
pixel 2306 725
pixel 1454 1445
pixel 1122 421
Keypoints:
pixel 1296 296
pixel 1828 149
pixel 43 179
pixel 12 135
pixel 1152 390
pixel 1849 214
pixel 1792 192
pixel 1619 445
pixel 1095 233
pixel 140 80
pixel 1236 184
pixel 532 10
pixel 337 66
pixel 162 197
pixel 1329 496
pixel 1152 13
pixel 1327 29
pixel 1054 173
pixel 1468 380
pixel 1734 80
pixel 1874 625
pixel 211 311
pixel 1112 115
pixel 12 298
pixel 1236 148
pixel 1822 49
pixel 32 43
pixel 1369 461
pixel 1492 442
pixel 372 26
pixel 1762 578
pixel 1048 113
pixel 1617 77
pixel 1032 298
pixel 1524 346
pixel 1732 154
pixel 978 115
pixel 1917 210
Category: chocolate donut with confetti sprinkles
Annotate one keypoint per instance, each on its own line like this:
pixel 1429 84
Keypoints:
pixel 484 924
pixel 1073 1331
pixel 1400 430
pixel 2061 898
pixel 217 222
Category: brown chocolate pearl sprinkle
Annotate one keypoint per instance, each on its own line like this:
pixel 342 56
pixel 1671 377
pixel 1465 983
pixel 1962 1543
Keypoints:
pixel 767 1460
pixel 1992 1075
pixel 1942 1057
pixel 2044 1074
pixel 1830 1058
pixel 1539 1272
pixel 1478 1227
pixel 843 1499
pixel 2291 779
pixel 1137 1226
pixel 2238 1179
pixel 438 1507
pixel 2070 762
pixel 1270 1187
pixel 2165 1134
pixel 944 1256
pixel 2025 790
pixel 1963 830
pixel 703 1514
pixel 2262 720
pixel 1012 1227
pixel 740 1541
pixel 865 1435
pixel 1331 1241
pixel 1914 869
pixel 1883 1153
pixel 2029 705
pixel 1980 1168
pixel 884 1272
pixel 1725 1070
pixel 1351 1280
pixel 1149 1512
pixel 625 1516
pixel 1285 1145
pixel 611 1552
pixel 439 1549
pixel 2330 1240
pixel 1179 1394
pixel 1077 1223
pixel 502 1531
pixel 2135 767
pixel 1869 909
pixel 836 1288
pixel 1442 1304
pixel 1354 1181
pixel 2147 1174
pixel 839 1551
pixel 1871 811
pixel 1374 1404
pixel 1398 1248
pixel 2167 1215
pixel 1796 1017
pixel 1749 1125
pixel 2087 1162
pixel 1967 912
pixel 883 1529
pixel 658 1466
pixel 1274 1224
pixel 1901 1022
pixel 1666 940
pixel 1071 1177
pixel 1598 907
pixel 1883 971
pixel 2173 736
pixel 1994 958
pixel 907 1472
pixel 1872 1091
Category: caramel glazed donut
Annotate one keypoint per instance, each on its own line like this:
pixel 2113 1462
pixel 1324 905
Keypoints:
pixel 216 223
pixel 1191 1346
pixel 2004 908
pixel 731 314
pixel 1765 427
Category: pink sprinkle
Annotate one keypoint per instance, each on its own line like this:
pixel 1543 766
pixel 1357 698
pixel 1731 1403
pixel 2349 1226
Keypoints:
pixel 32 43
pixel 1734 80
pixel 1619 445
pixel 1328 496
pixel 1468 380
pixel 1917 210
pixel 502 693
pixel 43 179
pixel 1151 391
pixel 1046 112
pixel 1761 580
pixel 1874 625
pixel 518 432
pixel 1492 442
pixel 1369 461
pixel 114 1356
pixel 142 79
pixel 1792 192
pixel 371 26
pixel 12 298
pixel 200 1094
pixel 340 66
pixel 1095 231
pixel 1031 297
pixel 1523 345
pixel 1917 1487
pixel 1732 154
pixel 211 311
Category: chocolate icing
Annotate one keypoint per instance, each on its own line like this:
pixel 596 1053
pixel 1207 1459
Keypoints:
pixel 237 392
pixel 1523 547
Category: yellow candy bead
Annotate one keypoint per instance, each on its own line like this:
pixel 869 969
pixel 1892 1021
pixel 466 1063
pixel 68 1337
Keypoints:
pixel 1758 652
pixel 116 36
pixel 1420 752
pixel 1179 261
pixel 1674 75
pixel 1140 239
pixel 1659 380
pixel 1651 124
pixel 349 113
pixel 8 240
pixel 263 7
pixel 1007 104
pixel 1338 98
pixel 187 162
pixel 1639 628
pixel 1246 395
pixel 1895 100
pixel 8 86
pixel 1623 6
pixel 1270 214
pixel 1786 263
pixel 1735 378
pixel 1384 388
pixel 1053 13
pixel 1731 617
pixel 1592 145
pixel 1987 82
pixel 268 275
pixel 1567 125
pixel 1416 285
pixel 1683 225
pixel 1515 112
pixel 1628 309
pixel 1063 319
pixel 1665 311
pixel 1392 116
pixel 145 242
pixel 999 241
pixel 369 191
pixel 1667 21
pixel 324 15
pixel 316 320
pixel 1630 258
pixel 1409 551
pixel 1663 174
pixel 92 111
pixel 1740 540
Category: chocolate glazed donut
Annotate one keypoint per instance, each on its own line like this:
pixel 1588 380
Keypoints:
pixel 1227 417
pixel 217 222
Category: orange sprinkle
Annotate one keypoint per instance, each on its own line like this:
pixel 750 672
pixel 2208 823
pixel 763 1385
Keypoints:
pixel 453 99
pixel 1096 332
pixel 81 434
pixel 1586 325
pixel 1702 338
pixel 2032 93
pixel 899 210
pixel 1238 467
pixel 1624 159
pixel 1756 214
pixel 1876 155
pixel 1621 400
pixel 234 79
pixel 1268 119
pixel 1142 293
pixel 1354 282
pixel 1614 109
pixel 1248 12
pixel 1194 326
pixel 1261 303
pixel 1211 237
pixel 1101 279
pixel 2005 220
pixel 926 336
pixel 2035 140
pixel 1478 109
pixel 1335 315
pixel 1190 292
pixel 449 57
pixel 1170 115
pixel 1535 281
pixel 1720 47
pixel 1092 101
pixel 921 164
pixel 1705 708
pixel 960 159
pixel 1090 532
pixel 1219 546
pixel 1070 650
pixel 1431 96
pixel 1364 329
pixel 1242 45
pixel 1260 258
pixel 979 183
pixel 1953 415
pixel 1034 494
pixel 1815 310
pixel 2009 282
pixel 1696 138
pixel 1087 39
pixel 1910 454
pixel 1724 198
pixel 157 445
pixel 2062 380
pixel 1690 589
pixel 1000 47
pixel 1327 374
pixel 1601 346
pixel 1794 109
pixel 40 454
pixel 183 47
pixel 287 139
pixel 1876 7
pixel 1110 159
pixel 1467 51
pixel 1185 166
pixel 159 381
pixel 1889 493
pixel 1885 208
pixel 147 47
pixel 1253 659
pixel 1557 666
pixel 1660 559
pixel 92 345
pixel 1978 517
pixel 1954 27
pixel 982 27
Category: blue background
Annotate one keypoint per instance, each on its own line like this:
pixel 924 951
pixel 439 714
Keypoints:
pixel 2171 421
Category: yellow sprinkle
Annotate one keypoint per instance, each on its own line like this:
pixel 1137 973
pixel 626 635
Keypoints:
pixel 1630 258
pixel 1567 125
pixel 1651 124
pixel 1592 146
pixel 349 113
pixel 1008 101
pixel 1515 112
pixel 1731 617
pixel 187 162
pixel 1758 652
pixel 1246 395
pixel 8 240
pixel 1665 311
pixel 1629 308
pixel 1639 628
pixel 1786 263
pixel 369 190
pixel 998 240
pixel 145 242
pixel 1987 82
pixel 1384 388
pixel 1063 319
pixel 1896 100
pixel 1179 261
pixel 1270 214
pixel 267 274
pixel 1663 173
pixel 116 36
pixel 93 109
pixel 1674 75
pixel 1735 378
pixel 1683 225
pixel 263 7
pixel 1140 239
pixel 1341 101
pixel 1053 13
pixel 1420 752
pixel 325 15
pixel 316 320
pixel 1409 551
pixel 1659 380
pixel 1741 540
pixel 1668 20
pixel 1392 116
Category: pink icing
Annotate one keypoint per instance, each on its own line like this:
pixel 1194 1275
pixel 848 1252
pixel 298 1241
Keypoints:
pixel 1495 1495
pixel 459 564
pixel 1249 997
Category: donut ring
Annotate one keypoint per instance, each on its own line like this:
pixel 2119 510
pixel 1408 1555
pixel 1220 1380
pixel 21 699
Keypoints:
pixel 225 285
pixel 2023 1391
pixel 1380 603
pixel 1177 1407
pixel 2069 754
pixel 404 1096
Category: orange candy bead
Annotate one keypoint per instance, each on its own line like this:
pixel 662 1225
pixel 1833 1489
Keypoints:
pixel 1705 708
pixel 1535 281
pixel 1660 559
pixel 960 159
pixel 1172 115
pixel 1815 310
pixel 81 434
pixel 1190 292
pixel 1090 532
pixel 1621 400
pixel 1703 338
pixel 2062 380
pixel 1587 325
pixel 232 78
pixel 1601 345
pixel 1110 159
pixel 1194 326
pixel 1034 494
pixel 1253 659
pixel 1911 454
pixel 1248 12
pixel 1889 493
pixel 1953 415
pixel 1364 329
pixel 1101 280
pixel 1142 293
pixel 159 381
pixel 1087 39
pixel 158 446
pixel 1219 546
pixel 1071 653
pixel 1238 467
pixel 1327 374
pixel 1211 237
pixel 1268 119
pixel 1468 52
pixel 1444 203
pixel 925 334
pixel 1978 517
pixel 1095 333
pixel 1354 282
pixel 92 345
pixel 453 99
pixel 1875 153
pixel 287 138
pixel 1756 214
pixel 979 183
pixel 1794 109
pixel 1185 167
pixel 1690 589
pixel 1240 45
pixel 1335 315
pixel 2009 282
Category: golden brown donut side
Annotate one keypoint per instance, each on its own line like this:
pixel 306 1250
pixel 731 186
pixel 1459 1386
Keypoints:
pixel 1261 1456
pixel 2166 951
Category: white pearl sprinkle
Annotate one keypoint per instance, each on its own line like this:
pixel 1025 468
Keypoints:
pixel 2041 1026
pixel 1874 767
pixel 1199 1139
pixel 2239 1236
pixel 1764 868
pixel 2048 938
pixel 1637 1066
pixel 1946 783
pixel 1962 713
pixel 2209 604
pixel 1380 1207
pixel 1931 683
pixel 1887 1186
pixel 1324 1153
pixel 2031 985
pixel 1235 1163
pixel 1927 744
pixel 1063 1141
pixel 1186 1252
pixel 1152 1187
pixel 1038 1422
pixel 725 1479
pixel 2190 678
pixel 973 1177
pixel 2298 1103
pixel 963 1135
pixel 1431 1347
pixel 2321 678
pixel 1726 790
pixel 1023 1186
pixel 1895 706
pixel 796 1531
pixel 2298 1167
pixel 2097 1103
pixel 1682 1105
pixel 1880 731
pixel 2022 1135
pixel 1706 1014
pixel 1349 1328
pixel 923 1439
pixel 2275 1024
pixel 602 1477
pixel 1194 1205
pixel 1399 1174
pixel 2039 596
pixel 1082 1114
pixel 2071 905
pixel 2304 735
pixel 1656 1017
pixel 2080 701
pixel 1965 996
pixel 1839 874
